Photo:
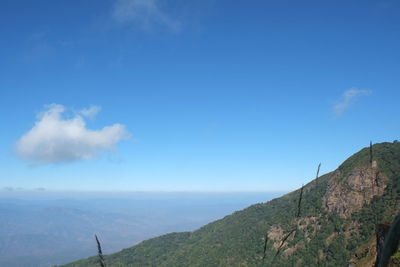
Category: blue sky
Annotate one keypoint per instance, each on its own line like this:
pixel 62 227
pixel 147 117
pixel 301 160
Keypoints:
pixel 195 95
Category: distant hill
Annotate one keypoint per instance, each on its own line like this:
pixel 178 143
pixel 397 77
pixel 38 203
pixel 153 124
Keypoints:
pixel 333 223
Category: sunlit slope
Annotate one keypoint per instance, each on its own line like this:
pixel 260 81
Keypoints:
pixel 338 215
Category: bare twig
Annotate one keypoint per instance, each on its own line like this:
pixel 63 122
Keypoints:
pixel 294 229
pixel 100 253
pixel 370 152
pixel 265 245
pixel 299 203
pixel 297 215
pixel 283 242
pixel 316 178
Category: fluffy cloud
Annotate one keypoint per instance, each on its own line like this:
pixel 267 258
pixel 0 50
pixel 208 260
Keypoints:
pixel 55 139
pixel 348 97
pixel 143 13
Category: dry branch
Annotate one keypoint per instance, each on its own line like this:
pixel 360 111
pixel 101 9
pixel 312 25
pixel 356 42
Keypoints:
pixel 299 203
pixel 265 245
pixel 100 252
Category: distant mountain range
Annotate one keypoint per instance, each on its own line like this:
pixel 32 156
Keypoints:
pixel 335 220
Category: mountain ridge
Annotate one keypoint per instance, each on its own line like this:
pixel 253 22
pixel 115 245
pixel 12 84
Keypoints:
pixel 324 223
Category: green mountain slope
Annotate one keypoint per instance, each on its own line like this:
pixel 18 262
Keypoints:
pixel 338 216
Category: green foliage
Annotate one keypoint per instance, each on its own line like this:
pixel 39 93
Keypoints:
pixel 238 239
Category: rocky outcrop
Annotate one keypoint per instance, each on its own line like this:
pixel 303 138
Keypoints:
pixel 276 234
pixel 307 225
pixel 347 194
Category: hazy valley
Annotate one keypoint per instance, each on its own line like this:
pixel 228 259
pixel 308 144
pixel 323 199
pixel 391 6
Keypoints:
pixel 43 229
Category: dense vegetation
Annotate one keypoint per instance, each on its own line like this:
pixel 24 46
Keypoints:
pixel 319 237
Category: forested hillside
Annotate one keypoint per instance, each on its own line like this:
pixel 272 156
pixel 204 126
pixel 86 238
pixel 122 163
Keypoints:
pixel 331 221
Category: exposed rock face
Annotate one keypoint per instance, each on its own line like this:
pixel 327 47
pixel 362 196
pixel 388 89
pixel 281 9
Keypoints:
pixel 345 195
pixel 276 235
pixel 307 225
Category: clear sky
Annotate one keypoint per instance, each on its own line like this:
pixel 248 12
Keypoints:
pixel 163 95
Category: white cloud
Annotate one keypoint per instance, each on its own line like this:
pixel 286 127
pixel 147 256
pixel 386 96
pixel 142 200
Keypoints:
pixel 56 139
pixel 90 112
pixel 347 99
pixel 145 14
